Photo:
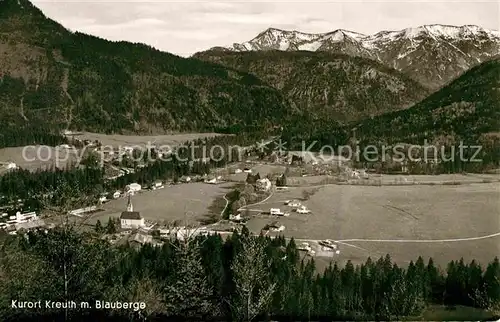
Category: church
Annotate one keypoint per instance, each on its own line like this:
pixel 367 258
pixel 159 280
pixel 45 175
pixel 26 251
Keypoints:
pixel 131 219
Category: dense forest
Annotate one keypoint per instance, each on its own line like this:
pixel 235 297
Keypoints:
pixel 13 136
pixel 242 278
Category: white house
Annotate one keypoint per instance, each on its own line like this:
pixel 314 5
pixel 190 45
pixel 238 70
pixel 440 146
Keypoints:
pixel 294 203
pixel 276 211
pixel 363 174
pixel 328 243
pixel 182 233
pixel 278 229
pixel 211 181
pixel 305 246
pixel 22 218
pixel 158 185
pixel 303 210
pixel 131 219
pixel 133 187
pixel 264 184
pixel 235 218
pixel 11 165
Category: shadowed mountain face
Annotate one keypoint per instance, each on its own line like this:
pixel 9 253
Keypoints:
pixel 433 54
pixel 467 109
pixel 51 75
pixel 331 86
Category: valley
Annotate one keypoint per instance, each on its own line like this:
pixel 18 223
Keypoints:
pixel 287 177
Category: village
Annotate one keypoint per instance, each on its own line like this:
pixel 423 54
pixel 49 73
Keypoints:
pixel 276 193
pixel 137 227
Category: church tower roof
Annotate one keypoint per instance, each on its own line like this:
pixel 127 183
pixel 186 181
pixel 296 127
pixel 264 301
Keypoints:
pixel 130 207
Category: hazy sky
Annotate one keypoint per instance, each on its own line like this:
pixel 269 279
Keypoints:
pixel 185 27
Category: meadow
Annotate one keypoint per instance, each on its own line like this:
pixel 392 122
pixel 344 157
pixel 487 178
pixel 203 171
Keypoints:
pixel 441 221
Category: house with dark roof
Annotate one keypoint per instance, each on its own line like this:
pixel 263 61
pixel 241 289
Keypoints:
pixel 252 179
pixel 131 219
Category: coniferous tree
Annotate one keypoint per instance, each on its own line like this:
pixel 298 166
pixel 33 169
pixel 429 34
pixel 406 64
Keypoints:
pixel 98 227
pixel 111 227
pixel 253 287
pixel 188 292
pixel 492 282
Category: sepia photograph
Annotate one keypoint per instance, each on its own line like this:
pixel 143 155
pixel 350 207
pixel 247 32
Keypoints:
pixel 208 160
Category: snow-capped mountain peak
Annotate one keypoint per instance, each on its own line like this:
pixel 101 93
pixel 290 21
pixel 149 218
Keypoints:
pixel 273 38
pixel 278 39
pixel 430 50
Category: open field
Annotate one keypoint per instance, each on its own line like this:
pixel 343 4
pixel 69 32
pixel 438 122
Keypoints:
pixel 374 179
pixel 37 157
pixel 168 204
pixel 116 140
pixel 43 157
pixel 308 180
pixel 437 179
pixel 394 179
pixel 415 213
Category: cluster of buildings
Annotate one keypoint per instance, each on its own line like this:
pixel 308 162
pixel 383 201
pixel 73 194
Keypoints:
pixel 274 226
pixel 141 232
pixel 328 246
pixel 260 184
pixel 357 174
pixel 295 204
pixel 21 221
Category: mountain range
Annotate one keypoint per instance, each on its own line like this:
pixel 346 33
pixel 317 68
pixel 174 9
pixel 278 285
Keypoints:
pixel 433 55
pixel 55 79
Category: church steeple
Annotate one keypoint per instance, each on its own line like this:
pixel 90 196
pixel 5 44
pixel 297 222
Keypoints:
pixel 130 207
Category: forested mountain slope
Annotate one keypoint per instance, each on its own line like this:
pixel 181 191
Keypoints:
pixel 433 55
pixel 50 75
pixel 331 86
pixel 467 109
